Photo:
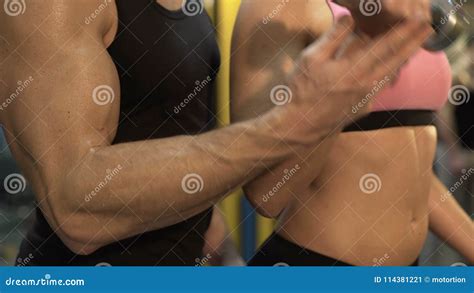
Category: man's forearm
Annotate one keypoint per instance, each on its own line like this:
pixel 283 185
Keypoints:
pixel 162 182
pixel 449 221
pixel 271 192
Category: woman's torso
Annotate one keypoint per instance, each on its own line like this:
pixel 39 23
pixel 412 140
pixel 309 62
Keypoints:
pixel 369 204
pixel 370 200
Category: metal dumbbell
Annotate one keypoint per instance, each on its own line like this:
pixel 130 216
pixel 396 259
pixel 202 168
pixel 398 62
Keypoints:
pixel 448 20
pixel 448 24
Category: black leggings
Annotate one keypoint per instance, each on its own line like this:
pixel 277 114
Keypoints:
pixel 277 251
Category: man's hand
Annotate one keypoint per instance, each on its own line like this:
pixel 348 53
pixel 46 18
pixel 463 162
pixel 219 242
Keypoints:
pixel 321 82
pixel 375 17
pixel 329 78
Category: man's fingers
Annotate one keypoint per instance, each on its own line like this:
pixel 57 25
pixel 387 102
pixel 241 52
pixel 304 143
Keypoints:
pixel 397 60
pixel 334 39
pixel 388 53
pixel 404 38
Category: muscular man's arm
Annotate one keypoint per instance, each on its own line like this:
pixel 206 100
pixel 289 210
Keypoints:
pixel 91 192
pixel 60 127
pixel 449 221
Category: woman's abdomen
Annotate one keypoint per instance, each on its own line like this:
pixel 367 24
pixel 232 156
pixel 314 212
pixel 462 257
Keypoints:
pixel 369 205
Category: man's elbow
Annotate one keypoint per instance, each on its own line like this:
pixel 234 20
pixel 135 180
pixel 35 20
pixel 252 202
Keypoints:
pixel 77 245
pixel 77 229
pixel 78 233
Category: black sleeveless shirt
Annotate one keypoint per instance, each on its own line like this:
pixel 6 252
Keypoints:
pixel 167 62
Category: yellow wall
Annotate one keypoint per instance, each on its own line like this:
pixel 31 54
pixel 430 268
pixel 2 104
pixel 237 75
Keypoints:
pixel 225 13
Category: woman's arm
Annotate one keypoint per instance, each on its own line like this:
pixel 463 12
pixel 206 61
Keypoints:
pixel 264 52
pixel 449 221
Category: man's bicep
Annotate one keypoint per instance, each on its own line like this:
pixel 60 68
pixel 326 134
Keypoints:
pixel 60 94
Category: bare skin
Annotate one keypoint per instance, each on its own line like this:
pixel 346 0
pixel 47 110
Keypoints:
pixel 61 138
pixel 322 206
pixel 348 224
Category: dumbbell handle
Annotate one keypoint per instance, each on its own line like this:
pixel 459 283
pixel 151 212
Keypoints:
pixel 448 26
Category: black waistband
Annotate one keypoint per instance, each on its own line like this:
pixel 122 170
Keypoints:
pixel 277 251
pixel 389 119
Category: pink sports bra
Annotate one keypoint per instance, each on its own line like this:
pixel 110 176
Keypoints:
pixel 423 83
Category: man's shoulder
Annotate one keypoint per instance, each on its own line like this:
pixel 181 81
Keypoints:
pixel 55 18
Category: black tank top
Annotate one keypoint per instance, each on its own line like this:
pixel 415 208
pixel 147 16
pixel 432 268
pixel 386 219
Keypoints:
pixel 167 62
